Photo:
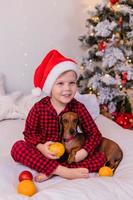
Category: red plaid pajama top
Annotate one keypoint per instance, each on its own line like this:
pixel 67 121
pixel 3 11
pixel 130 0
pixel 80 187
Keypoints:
pixel 42 124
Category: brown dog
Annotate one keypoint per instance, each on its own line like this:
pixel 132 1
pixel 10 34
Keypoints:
pixel 74 140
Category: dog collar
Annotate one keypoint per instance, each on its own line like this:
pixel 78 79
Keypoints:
pixel 68 139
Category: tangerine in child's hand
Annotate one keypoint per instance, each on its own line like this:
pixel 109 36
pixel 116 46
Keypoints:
pixel 26 187
pixel 25 175
pixel 57 148
pixel 105 171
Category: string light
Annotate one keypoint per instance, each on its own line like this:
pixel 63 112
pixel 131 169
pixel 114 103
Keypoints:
pixel 92 34
pixel 116 7
pixel 90 90
pixel 120 86
pixel 96 19
pixel 98 94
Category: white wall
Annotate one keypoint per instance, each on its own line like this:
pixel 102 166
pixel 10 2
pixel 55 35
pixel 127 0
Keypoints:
pixel 30 28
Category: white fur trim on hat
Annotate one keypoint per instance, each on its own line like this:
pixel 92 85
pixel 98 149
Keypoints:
pixel 56 72
pixel 36 92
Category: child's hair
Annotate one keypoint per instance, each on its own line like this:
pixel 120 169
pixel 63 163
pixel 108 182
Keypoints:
pixel 52 66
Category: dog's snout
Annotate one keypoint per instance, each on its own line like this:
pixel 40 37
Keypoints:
pixel 72 131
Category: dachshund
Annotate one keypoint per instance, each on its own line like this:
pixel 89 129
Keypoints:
pixel 74 140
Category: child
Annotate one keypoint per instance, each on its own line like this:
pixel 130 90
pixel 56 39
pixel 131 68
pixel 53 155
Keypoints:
pixel 57 76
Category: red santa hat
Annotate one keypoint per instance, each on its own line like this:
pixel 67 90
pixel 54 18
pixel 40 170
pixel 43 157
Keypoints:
pixel 52 66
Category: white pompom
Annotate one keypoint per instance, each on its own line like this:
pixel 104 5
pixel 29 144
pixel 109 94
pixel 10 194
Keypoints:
pixel 36 92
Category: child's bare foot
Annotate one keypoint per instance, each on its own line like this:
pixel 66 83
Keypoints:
pixel 41 177
pixel 68 173
pixel 71 173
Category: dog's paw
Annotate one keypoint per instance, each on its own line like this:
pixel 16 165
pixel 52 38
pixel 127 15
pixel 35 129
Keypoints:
pixel 71 159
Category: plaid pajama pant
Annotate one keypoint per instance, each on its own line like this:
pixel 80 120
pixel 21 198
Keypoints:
pixel 32 158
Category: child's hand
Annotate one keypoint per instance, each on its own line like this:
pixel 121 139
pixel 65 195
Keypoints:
pixel 44 149
pixel 81 155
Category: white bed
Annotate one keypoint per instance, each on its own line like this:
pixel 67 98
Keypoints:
pixel 118 187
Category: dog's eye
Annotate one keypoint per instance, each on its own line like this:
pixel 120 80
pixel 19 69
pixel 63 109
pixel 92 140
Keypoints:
pixel 65 121
pixel 75 121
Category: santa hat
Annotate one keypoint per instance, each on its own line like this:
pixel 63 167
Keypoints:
pixel 52 66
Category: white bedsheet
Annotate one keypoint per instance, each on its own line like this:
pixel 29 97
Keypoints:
pixel 118 187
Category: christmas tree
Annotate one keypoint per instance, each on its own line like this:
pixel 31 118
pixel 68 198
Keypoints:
pixel 107 65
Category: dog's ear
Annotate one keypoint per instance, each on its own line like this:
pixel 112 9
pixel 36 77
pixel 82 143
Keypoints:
pixel 78 122
pixel 60 126
pixel 79 128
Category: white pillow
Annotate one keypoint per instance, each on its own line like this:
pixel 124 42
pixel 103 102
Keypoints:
pixel 25 103
pixel 8 108
pixel 91 103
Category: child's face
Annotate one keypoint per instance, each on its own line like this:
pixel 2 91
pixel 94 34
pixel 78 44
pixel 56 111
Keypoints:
pixel 64 88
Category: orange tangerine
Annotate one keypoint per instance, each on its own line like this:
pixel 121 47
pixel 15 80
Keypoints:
pixel 105 171
pixel 26 187
pixel 57 148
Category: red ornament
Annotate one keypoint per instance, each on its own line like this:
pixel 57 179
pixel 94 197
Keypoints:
pixel 120 22
pixel 125 120
pixel 124 75
pixel 120 120
pixel 101 46
pixel 114 1
pixel 124 78
pixel 130 120
pixel 25 175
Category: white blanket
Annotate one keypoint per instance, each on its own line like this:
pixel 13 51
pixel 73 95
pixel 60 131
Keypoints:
pixel 118 187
